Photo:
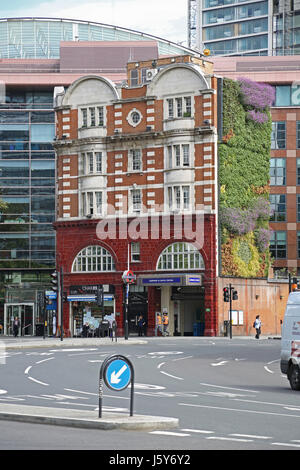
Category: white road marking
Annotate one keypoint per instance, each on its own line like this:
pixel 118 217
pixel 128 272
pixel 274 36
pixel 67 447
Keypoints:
pixel 229 439
pixel 286 444
pixel 2 392
pixel 44 360
pixel 38 381
pixel 80 391
pixel 268 370
pixel 200 431
pixel 164 353
pixel 169 433
pixel 182 358
pixel 253 436
pixel 172 376
pixel 239 410
pixel 230 388
pixel 27 370
pixel 218 363
pixel 161 364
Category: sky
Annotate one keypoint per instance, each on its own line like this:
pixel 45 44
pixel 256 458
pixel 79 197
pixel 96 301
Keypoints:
pixel 163 18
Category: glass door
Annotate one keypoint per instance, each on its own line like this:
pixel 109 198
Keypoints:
pixel 24 312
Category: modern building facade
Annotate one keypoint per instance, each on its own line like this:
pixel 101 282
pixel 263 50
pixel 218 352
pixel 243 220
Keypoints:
pixel 137 187
pixel 37 56
pixel 232 27
pixel 282 73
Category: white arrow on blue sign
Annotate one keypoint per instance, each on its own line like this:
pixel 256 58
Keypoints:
pixel 118 374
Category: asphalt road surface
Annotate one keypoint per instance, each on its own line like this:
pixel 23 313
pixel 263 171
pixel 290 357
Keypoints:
pixel 227 394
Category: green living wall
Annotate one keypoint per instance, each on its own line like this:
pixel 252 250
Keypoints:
pixel 244 171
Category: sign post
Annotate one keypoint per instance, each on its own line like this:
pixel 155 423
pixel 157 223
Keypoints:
pixel 128 278
pixel 116 372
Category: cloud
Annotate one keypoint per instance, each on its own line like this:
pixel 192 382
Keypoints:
pixel 162 18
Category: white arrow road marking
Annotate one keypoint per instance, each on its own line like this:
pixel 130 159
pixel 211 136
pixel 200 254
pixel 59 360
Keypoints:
pixel 114 378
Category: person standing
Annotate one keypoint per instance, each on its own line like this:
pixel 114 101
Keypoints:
pixel 166 324
pixel 159 322
pixel 16 326
pixel 141 325
pixel 257 326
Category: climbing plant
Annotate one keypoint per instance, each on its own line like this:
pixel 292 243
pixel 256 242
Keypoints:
pixel 244 168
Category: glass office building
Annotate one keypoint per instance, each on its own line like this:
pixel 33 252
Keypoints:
pixel 245 27
pixel 31 62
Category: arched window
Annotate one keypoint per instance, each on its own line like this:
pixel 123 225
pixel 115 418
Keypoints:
pixel 179 256
pixel 93 259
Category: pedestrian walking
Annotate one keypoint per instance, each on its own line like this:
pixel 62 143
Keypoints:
pixel 166 324
pixel 141 325
pixel 16 326
pixel 257 326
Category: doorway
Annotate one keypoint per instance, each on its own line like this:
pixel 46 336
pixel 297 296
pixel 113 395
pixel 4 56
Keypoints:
pixel 25 313
pixel 138 305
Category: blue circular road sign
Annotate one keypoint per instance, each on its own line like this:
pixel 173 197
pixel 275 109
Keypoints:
pixel 117 374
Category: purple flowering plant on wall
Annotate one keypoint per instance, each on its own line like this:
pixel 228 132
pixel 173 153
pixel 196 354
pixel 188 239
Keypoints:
pixel 258 97
pixel 241 221
pixel 263 238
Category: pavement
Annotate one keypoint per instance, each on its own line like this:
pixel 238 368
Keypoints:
pixel 79 418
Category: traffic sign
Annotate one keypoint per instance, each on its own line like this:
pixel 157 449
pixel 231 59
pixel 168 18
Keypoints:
pixel 128 277
pixel 117 374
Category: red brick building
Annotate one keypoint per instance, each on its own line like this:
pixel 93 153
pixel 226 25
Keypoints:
pixel 137 188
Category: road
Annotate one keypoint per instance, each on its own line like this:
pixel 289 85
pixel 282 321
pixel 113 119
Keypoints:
pixel 227 394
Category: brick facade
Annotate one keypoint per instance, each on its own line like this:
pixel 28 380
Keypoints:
pixel 127 155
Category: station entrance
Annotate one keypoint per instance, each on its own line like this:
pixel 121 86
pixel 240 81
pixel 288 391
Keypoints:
pixel 25 314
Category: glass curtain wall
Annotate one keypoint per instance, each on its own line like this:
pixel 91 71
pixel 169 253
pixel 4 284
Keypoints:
pixel 27 180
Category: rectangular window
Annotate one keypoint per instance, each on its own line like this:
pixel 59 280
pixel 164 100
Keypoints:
pixel 278 207
pixel 298 135
pixel 278 135
pixel 84 117
pixel 187 106
pixel 135 251
pixel 90 165
pixel 98 198
pixel 283 95
pixel 278 244
pixel 179 107
pixel 298 243
pixel 186 197
pixel 277 172
pixel 134 77
pixel 135 163
pixel 92 117
pixel 179 197
pixel 186 155
pixel 298 208
pixel 136 200
pixel 98 162
pixel 90 203
pixel 170 108
pixel 178 155
pixel 170 156
pixel 100 116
